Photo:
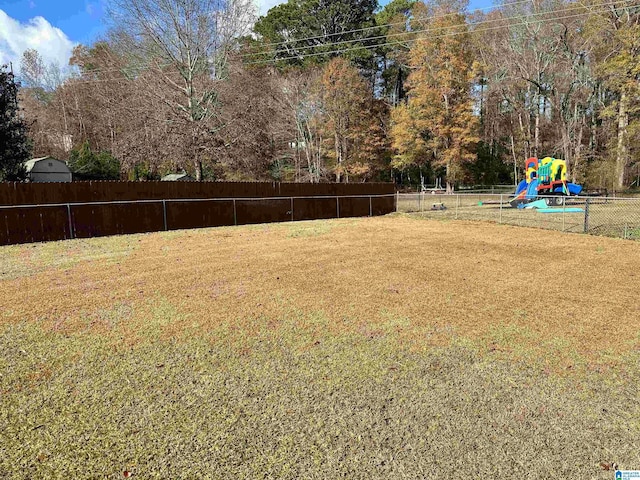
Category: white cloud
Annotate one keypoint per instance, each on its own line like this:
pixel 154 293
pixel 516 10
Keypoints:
pixel 16 37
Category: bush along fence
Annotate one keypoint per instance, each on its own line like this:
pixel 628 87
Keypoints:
pixel 607 216
pixel 57 211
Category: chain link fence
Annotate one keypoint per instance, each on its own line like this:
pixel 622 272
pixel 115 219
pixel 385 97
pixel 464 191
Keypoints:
pixel 607 216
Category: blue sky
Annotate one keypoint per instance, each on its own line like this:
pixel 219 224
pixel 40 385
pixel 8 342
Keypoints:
pixel 80 20
pixel 54 27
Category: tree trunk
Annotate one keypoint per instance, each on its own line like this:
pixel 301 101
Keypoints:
pixel 338 157
pixel 566 146
pixel 515 162
pixel 197 163
pixel 577 153
pixel 526 143
pixel 622 152
pixel 345 156
pixel 536 134
pixel 318 158
pixel 449 189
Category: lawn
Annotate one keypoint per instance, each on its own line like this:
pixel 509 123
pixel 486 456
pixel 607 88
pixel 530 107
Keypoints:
pixel 607 217
pixel 389 347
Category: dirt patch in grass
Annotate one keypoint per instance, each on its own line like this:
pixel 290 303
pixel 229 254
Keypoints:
pixel 378 348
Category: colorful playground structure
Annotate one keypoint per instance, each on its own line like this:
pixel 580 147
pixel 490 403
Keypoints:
pixel 546 181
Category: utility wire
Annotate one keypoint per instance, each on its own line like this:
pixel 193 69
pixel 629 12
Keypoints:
pixel 427 30
pixel 603 8
pixel 424 18
pixel 409 41
pixel 374 27
pixel 414 19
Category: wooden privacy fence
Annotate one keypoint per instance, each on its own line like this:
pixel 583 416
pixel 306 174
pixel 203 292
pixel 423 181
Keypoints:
pixel 35 212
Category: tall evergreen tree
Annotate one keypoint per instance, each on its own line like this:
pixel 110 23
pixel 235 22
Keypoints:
pixel 90 165
pixel 308 32
pixel 437 125
pixel 15 148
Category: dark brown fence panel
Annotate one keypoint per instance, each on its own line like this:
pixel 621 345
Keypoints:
pixel 98 220
pixel 314 208
pixel 263 211
pixel 33 224
pixel 101 191
pixel 208 213
pixel 383 205
pixel 273 203
pixel 354 207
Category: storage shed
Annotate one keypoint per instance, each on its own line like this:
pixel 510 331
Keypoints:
pixel 178 177
pixel 47 169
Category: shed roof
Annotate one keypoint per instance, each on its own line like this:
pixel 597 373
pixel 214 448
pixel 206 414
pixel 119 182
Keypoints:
pixel 177 176
pixel 29 164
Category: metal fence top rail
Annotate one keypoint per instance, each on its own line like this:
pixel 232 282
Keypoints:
pixel 229 199
pixel 503 195
pixel 206 182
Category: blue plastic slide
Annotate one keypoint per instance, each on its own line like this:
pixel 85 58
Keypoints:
pixel 532 190
pixel 574 189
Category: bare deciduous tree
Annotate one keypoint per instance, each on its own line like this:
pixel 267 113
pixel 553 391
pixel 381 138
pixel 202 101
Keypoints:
pixel 186 44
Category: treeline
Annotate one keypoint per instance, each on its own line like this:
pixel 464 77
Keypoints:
pixel 345 91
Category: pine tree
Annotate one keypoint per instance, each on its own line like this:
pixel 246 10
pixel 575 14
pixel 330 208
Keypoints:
pixel 15 148
pixel 90 165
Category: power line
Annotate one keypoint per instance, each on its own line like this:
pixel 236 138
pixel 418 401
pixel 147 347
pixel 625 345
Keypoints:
pixel 424 18
pixel 140 67
pixel 602 7
pixel 374 27
pixel 408 41
pixel 414 32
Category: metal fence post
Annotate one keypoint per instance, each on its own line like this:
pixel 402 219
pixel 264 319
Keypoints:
pixel 164 214
pixel 70 222
pixel 370 207
pixel 338 207
pixel 292 209
pixel 586 216
pixel 457 204
pixel 500 221
pixel 564 206
pixel 235 215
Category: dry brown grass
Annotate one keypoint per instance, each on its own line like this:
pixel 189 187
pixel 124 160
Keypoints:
pixel 429 279
pixel 387 347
